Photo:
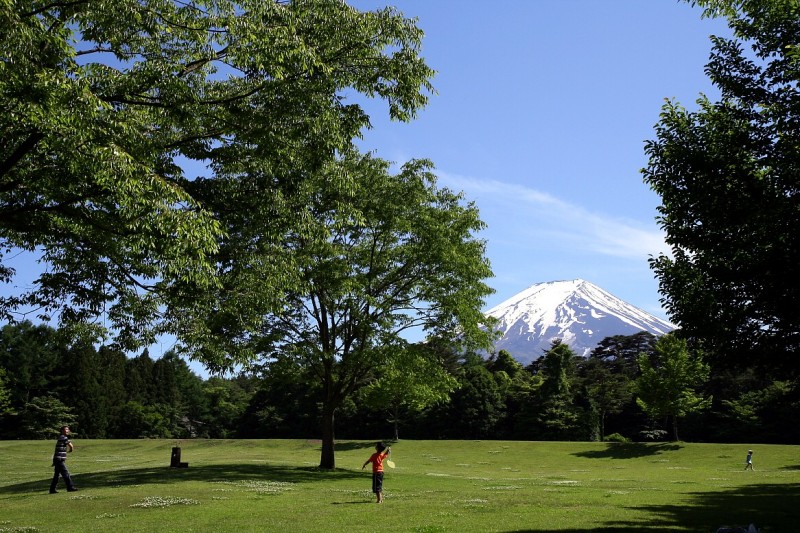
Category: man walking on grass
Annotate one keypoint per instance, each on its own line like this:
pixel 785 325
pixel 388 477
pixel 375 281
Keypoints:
pixel 63 445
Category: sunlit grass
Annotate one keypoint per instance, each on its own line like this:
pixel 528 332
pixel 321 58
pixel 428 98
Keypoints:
pixel 274 485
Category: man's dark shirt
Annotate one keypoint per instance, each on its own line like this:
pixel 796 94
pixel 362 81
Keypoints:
pixel 61 448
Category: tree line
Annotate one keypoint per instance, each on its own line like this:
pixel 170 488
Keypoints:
pixel 49 378
pixel 635 387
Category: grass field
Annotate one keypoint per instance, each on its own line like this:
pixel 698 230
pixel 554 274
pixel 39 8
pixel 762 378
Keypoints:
pixel 274 485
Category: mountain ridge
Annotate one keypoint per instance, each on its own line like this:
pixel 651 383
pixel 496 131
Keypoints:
pixel 578 312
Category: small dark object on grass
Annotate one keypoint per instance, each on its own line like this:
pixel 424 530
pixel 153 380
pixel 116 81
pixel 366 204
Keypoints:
pixel 175 460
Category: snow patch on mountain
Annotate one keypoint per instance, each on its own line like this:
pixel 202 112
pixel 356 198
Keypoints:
pixel 578 312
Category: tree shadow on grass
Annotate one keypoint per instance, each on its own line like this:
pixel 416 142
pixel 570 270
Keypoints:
pixel 208 473
pixel 629 450
pixel 771 507
pixel 356 445
pixel 593 530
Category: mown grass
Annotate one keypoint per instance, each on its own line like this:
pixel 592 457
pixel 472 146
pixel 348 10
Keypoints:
pixel 438 486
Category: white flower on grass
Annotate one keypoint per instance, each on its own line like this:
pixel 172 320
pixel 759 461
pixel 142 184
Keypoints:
pixel 250 485
pixel 158 501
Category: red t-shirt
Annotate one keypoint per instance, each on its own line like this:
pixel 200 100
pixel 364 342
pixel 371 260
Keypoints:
pixel 377 460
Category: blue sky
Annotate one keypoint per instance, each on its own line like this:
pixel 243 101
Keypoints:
pixel 542 111
pixel 540 117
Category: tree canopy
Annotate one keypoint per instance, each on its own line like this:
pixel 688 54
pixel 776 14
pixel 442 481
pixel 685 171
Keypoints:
pixel 669 380
pixel 112 108
pixel 728 175
pixel 384 254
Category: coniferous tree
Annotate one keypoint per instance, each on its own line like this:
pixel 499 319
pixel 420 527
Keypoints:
pixel 111 366
pixel 139 379
pixel 77 385
pixel 30 356
pixel 517 386
pixel 193 404
pixel 558 417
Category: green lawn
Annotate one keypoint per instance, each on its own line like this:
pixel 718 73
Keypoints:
pixel 273 485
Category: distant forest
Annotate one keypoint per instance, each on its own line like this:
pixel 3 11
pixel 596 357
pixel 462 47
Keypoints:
pixel 47 379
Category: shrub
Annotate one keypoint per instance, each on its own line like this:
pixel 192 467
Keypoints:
pixel 616 437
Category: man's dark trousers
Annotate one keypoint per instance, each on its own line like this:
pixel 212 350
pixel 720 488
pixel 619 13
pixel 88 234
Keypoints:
pixel 60 469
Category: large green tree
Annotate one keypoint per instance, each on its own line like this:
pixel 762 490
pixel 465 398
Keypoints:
pixel 412 380
pixel 111 108
pixel 668 386
pixel 728 175
pixel 386 253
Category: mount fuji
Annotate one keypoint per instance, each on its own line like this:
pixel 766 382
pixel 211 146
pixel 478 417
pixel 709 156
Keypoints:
pixel 579 313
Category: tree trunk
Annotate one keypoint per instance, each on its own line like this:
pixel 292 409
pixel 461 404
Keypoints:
pixel 327 459
pixel 602 424
pixel 396 426
pixel 675 428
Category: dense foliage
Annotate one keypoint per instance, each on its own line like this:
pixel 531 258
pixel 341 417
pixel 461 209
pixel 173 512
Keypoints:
pixel 110 110
pixel 106 395
pixel 52 378
pixel 728 175
pixel 668 381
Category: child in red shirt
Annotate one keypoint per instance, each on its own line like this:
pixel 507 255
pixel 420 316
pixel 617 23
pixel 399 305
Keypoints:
pixel 381 452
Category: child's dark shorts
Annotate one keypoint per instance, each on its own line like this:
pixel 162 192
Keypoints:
pixel 377 482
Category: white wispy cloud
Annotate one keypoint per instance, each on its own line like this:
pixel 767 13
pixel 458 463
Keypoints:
pixel 534 218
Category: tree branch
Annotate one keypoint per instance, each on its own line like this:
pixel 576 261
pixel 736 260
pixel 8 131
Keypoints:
pixel 23 149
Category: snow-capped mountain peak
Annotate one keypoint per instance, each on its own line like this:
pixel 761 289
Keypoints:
pixel 578 312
